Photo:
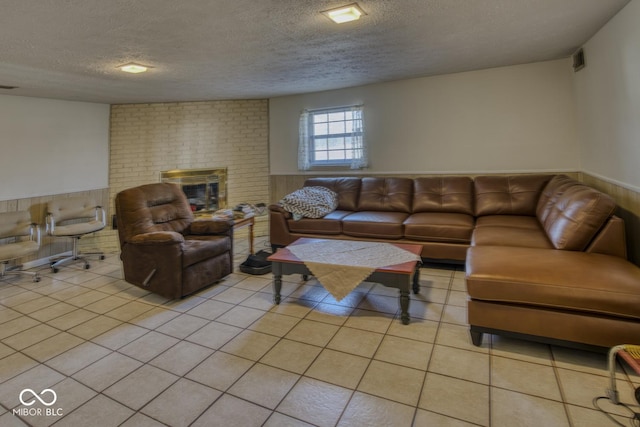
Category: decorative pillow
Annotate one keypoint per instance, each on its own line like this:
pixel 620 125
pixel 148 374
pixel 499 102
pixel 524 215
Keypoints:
pixel 310 202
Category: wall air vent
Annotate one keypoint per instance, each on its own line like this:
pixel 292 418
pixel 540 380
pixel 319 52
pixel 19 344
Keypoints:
pixel 578 60
pixel 8 87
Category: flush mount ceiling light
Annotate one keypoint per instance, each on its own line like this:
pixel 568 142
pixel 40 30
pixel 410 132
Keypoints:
pixel 339 15
pixel 133 68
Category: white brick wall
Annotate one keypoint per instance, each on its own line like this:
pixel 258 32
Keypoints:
pixel 149 138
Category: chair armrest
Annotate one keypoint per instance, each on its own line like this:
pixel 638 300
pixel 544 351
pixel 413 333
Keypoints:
pixel 101 215
pixel 280 209
pixel 50 223
pixel 34 233
pixel 210 226
pixel 157 238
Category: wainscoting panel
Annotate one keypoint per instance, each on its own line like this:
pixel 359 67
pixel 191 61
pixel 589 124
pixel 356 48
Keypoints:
pixel 628 202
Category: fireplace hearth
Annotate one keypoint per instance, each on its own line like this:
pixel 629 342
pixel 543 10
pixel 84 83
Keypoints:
pixel 206 189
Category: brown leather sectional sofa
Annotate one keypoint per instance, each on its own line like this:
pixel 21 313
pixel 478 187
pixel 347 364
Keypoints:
pixel 545 255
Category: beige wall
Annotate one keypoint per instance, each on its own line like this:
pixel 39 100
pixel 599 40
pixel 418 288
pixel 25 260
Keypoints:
pixel 518 118
pixel 149 138
pixel 607 97
pixel 608 101
pixel 52 147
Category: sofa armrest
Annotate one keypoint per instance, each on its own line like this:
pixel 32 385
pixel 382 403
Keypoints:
pixel 611 239
pixel 279 233
pixel 210 226
pixel 279 209
pixel 157 238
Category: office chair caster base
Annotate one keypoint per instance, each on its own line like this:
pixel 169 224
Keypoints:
pixel 16 270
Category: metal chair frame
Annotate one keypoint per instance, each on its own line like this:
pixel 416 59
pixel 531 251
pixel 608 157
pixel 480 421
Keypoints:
pixel 630 354
pixel 76 256
pixel 34 236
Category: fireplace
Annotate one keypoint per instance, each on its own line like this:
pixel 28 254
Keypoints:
pixel 206 189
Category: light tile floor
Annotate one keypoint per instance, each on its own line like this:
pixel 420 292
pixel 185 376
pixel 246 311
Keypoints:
pixel 114 355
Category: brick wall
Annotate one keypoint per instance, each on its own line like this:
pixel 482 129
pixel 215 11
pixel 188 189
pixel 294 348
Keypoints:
pixel 149 138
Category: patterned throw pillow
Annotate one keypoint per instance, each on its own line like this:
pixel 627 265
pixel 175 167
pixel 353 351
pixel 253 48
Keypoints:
pixel 310 202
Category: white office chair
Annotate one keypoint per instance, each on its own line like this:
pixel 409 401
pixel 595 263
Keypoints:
pixel 20 237
pixel 73 217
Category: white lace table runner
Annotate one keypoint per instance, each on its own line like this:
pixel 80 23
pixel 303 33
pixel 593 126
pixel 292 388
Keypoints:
pixel 341 265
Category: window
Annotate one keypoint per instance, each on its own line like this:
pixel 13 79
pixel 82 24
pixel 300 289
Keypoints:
pixel 332 137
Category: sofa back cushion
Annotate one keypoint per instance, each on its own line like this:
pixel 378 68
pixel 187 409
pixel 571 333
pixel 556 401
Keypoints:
pixel 551 193
pixel 508 195
pixel 152 207
pixel 572 213
pixel 450 194
pixel 386 194
pixel 348 190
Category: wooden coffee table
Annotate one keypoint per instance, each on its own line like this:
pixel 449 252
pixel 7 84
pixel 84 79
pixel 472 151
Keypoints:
pixel 403 276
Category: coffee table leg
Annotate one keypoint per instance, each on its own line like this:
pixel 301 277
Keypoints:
pixel 404 307
pixel 277 285
pixel 416 279
pixel 277 281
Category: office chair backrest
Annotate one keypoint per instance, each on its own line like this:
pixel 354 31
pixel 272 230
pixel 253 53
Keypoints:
pixel 15 224
pixel 72 208
pixel 152 207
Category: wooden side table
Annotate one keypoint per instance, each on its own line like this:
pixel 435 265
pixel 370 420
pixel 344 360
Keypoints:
pixel 246 222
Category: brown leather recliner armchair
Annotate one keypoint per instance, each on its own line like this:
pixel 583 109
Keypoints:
pixel 164 249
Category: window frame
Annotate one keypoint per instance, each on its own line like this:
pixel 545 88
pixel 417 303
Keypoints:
pixel 351 137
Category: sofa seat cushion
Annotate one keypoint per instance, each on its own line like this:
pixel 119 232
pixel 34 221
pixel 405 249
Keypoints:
pixel 200 248
pixel 329 224
pixel 517 221
pixel 439 227
pixel 558 279
pixel 510 236
pixel 377 225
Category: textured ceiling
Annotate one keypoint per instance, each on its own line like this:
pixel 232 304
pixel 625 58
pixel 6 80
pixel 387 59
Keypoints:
pixel 231 49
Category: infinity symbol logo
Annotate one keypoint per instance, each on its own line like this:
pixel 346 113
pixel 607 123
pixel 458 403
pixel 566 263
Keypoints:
pixel 35 396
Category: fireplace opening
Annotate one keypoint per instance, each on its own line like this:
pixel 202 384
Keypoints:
pixel 206 189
